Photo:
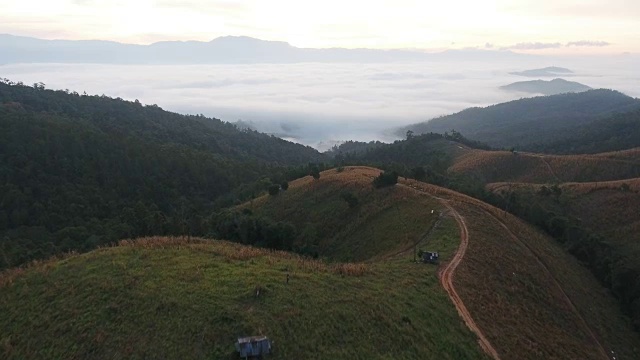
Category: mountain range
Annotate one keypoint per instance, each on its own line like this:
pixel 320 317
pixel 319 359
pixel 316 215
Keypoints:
pixel 222 50
pixel 550 71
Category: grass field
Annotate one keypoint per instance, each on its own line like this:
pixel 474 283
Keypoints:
pixel 173 299
pixel 629 155
pixel 504 166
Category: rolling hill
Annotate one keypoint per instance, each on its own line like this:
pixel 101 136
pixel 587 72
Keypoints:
pixel 505 166
pixel 531 122
pixel 492 234
pixel 530 301
pixel 170 298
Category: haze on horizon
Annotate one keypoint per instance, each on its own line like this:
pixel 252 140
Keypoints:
pixel 560 27
pixel 319 100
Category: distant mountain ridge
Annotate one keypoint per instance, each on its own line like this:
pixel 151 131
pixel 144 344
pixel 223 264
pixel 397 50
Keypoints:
pixel 551 87
pixel 531 122
pixel 227 49
pixel 549 71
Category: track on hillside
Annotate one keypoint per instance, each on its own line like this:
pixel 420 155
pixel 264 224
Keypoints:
pixel 446 279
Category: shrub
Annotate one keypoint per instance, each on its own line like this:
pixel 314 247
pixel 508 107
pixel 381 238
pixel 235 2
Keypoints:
pixel 315 172
pixel 419 173
pixel 351 199
pixel 274 189
pixel 386 179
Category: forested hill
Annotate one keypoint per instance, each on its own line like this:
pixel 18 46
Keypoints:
pixel 77 171
pixel 617 132
pixel 152 124
pixel 534 121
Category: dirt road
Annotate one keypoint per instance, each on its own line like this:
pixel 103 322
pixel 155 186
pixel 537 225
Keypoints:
pixel 446 279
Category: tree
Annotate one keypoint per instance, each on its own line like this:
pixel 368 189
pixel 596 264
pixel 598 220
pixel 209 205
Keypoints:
pixel 409 134
pixel 274 189
pixel 284 185
pixel 351 199
pixel 418 173
pixel 315 172
pixel 386 179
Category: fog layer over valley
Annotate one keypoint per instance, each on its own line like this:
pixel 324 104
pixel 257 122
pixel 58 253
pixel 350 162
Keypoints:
pixel 319 104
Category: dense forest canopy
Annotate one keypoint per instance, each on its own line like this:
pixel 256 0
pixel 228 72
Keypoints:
pixel 617 132
pixel 78 171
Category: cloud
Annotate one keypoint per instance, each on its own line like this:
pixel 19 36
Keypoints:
pixel 316 102
pixel 554 45
pixel 588 43
pixel 229 7
pixel 534 46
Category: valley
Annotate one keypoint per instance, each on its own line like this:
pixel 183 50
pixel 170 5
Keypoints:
pixel 231 233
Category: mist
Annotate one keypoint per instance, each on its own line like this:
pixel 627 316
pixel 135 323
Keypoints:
pixel 320 104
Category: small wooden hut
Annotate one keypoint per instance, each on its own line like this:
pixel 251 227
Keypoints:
pixel 253 347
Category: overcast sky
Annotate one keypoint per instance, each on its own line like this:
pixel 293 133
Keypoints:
pixel 539 26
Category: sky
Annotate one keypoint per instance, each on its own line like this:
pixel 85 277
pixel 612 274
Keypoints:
pixel 573 27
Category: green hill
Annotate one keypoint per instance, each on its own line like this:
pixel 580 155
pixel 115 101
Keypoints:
pixel 388 220
pixel 614 133
pixel 328 226
pixel 526 123
pixel 180 298
pixel 78 171
pixel 173 299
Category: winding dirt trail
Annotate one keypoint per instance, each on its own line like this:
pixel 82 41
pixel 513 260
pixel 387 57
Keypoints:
pixel 446 279
pixel 446 276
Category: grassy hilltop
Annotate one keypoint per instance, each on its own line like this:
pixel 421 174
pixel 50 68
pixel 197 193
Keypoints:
pixel 170 298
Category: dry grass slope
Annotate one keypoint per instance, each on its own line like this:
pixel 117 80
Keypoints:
pixel 528 296
pixel 604 207
pixel 504 166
